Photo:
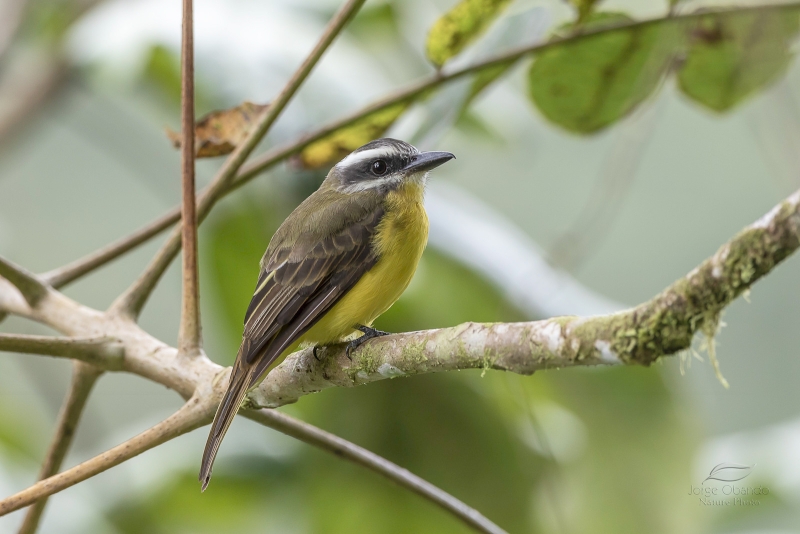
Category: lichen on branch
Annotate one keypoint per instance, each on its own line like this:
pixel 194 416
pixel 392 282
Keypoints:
pixel 664 325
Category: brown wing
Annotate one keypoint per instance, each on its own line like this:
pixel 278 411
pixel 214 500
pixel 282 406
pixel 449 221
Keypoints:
pixel 300 281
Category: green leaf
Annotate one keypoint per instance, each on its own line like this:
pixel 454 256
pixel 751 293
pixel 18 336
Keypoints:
pixel 460 26
pixel 588 84
pixel 732 56
pixel 337 145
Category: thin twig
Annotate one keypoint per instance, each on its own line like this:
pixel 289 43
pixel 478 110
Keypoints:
pixel 103 352
pixel 31 287
pixel 131 302
pixel 268 159
pixel 189 333
pixel 344 449
pixel 83 380
pixel 195 413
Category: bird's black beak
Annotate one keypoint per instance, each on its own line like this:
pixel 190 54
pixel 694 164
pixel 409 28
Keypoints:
pixel 426 161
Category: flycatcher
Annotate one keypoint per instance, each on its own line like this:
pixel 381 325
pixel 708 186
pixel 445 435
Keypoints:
pixel 341 259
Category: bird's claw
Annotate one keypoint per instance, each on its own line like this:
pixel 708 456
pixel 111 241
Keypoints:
pixel 369 333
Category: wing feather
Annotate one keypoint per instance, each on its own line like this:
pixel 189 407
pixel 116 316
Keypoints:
pixel 304 273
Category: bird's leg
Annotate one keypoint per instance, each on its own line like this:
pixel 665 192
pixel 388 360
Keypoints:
pixel 369 333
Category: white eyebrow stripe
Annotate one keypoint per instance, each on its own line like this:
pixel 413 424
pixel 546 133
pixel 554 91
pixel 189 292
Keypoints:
pixel 357 157
pixel 366 185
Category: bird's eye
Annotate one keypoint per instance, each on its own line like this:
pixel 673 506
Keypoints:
pixel 379 167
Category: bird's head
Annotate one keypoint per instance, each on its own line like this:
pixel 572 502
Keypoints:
pixel 383 165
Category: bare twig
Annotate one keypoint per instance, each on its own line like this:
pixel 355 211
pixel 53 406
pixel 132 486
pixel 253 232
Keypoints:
pixel 101 351
pixel 344 449
pixel 268 159
pixel 195 413
pixel 31 287
pixel 83 380
pixel 189 334
pixel 131 302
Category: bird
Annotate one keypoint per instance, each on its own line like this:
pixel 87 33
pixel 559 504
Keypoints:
pixel 337 262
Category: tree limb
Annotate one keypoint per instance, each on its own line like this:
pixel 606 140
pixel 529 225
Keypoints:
pixel 131 302
pixel 83 380
pixel 662 326
pixel 189 332
pixel 659 327
pixel 195 413
pixel 403 477
pixel 31 287
pixel 106 353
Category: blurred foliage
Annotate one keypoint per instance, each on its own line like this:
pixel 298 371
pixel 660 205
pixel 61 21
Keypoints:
pixel 338 144
pixel 461 26
pixel 47 21
pixel 584 7
pixel 732 57
pixel 162 73
pixel 20 436
pixel 600 451
pixel 589 84
pixel 375 19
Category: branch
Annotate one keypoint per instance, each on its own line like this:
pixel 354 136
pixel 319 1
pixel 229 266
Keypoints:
pixel 131 302
pixel 662 326
pixel 189 333
pixel 103 352
pixel 344 449
pixel 83 379
pixel 280 153
pixel 195 413
pixel 31 287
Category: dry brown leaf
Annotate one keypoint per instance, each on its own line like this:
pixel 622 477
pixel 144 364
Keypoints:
pixel 220 132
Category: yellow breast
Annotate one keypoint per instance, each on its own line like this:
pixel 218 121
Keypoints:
pixel 399 242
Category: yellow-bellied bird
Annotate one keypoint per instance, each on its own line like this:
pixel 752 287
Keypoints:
pixel 341 259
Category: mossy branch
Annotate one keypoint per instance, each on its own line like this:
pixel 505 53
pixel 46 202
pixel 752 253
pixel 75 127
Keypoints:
pixel 664 325
pixel 659 327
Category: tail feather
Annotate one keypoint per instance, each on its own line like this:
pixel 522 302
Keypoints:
pixel 237 389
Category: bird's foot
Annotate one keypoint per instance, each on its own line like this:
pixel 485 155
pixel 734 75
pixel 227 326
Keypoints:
pixel 369 333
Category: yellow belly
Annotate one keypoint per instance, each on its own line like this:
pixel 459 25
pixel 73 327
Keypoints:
pixel 400 240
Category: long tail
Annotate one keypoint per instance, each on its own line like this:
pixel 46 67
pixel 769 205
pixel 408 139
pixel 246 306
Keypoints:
pixel 237 389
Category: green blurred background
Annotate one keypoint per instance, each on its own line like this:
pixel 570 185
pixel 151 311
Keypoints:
pixel 620 213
